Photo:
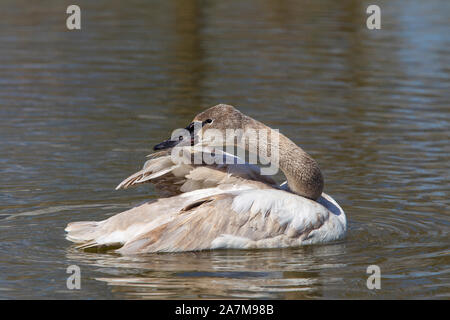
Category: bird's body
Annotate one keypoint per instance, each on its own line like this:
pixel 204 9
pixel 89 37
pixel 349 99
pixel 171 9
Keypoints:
pixel 213 206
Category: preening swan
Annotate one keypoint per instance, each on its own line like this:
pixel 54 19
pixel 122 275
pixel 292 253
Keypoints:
pixel 229 204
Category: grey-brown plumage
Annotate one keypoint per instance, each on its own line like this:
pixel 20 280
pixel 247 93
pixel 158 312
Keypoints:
pixel 221 206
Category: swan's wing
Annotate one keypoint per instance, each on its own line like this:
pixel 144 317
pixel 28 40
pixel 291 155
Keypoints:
pixel 258 218
pixel 161 171
pixel 240 216
pixel 174 175
pixel 122 227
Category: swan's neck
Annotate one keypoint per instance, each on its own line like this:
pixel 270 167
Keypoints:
pixel 302 172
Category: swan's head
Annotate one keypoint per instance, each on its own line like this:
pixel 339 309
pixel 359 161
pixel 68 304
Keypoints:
pixel 220 117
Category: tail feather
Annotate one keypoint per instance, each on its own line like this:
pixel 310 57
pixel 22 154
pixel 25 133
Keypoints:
pixel 82 231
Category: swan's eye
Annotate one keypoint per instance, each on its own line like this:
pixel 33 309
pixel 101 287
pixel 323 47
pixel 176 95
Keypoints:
pixel 180 138
pixel 207 121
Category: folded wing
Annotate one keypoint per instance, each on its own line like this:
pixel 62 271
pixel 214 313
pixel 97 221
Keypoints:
pixel 177 175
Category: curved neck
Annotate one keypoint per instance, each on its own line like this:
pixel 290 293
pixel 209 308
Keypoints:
pixel 301 170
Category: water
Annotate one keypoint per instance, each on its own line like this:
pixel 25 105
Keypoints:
pixel 79 111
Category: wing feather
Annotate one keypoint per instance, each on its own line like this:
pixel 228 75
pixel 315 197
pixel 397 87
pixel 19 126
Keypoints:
pixel 178 177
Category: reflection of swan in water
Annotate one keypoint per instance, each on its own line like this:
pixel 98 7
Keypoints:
pixel 294 273
pixel 221 206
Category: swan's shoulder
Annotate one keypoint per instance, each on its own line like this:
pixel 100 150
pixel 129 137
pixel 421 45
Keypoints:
pixel 306 220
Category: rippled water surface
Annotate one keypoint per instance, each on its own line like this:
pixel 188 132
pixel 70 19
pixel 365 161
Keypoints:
pixel 79 110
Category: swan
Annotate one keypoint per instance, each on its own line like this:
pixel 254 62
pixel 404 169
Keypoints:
pixel 218 206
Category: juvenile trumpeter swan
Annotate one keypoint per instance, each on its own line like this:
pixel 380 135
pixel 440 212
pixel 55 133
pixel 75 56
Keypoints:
pixel 228 205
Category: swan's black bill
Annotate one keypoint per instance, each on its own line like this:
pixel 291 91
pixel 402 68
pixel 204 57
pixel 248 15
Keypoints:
pixel 166 145
pixel 172 143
